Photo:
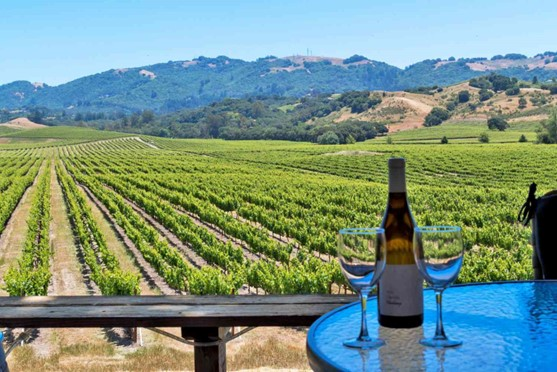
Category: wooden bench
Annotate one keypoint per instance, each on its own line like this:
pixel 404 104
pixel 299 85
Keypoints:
pixel 201 318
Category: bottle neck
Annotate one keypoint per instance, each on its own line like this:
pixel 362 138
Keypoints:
pixel 397 180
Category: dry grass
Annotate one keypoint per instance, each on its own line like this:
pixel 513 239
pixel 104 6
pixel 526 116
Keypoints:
pixel 262 349
pixel 95 357
pixel 269 354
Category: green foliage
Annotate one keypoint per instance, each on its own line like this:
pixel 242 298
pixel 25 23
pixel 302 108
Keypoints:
pixel 522 103
pixel 105 269
pixel 359 101
pixel 497 123
pixel 522 139
pixel 328 138
pixel 485 94
pixel 484 138
pixel 538 99
pixel 451 105
pixel 548 133
pixel 350 140
pixel 463 96
pixel 436 116
pixel 444 140
pixel 355 58
pixel 513 91
pixel 425 90
pixel 32 274
pixel 494 81
pixel 389 140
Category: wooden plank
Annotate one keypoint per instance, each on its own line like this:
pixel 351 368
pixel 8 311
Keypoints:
pixel 170 311
pixel 45 301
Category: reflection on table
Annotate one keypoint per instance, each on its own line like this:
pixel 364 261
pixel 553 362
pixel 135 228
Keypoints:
pixel 504 326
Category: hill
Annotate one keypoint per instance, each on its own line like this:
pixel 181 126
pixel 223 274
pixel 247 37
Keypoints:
pixel 171 86
pixel 21 123
pixel 351 116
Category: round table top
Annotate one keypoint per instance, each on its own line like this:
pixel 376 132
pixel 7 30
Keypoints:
pixel 503 326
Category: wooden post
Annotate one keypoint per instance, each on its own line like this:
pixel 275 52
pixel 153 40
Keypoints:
pixel 207 358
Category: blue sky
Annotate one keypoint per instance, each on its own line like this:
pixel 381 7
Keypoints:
pixel 57 41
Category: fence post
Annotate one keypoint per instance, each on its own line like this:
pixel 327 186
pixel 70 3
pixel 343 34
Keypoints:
pixel 208 358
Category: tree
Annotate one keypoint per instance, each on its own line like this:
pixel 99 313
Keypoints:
pixel 484 138
pixel 328 138
pixel 463 96
pixel 500 82
pixel 548 133
pixel 535 80
pixel 147 116
pixel 522 103
pixel 350 140
pixel 522 138
pixel 512 91
pixel 444 140
pixel 389 140
pixel 497 123
pixel 436 116
pixel 485 94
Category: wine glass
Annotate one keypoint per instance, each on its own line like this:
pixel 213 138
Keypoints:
pixel 361 254
pixel 439 251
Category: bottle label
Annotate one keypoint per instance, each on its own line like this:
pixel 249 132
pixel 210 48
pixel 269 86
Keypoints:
pixel 401 291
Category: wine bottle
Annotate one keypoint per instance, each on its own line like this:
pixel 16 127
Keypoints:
pixel 400 293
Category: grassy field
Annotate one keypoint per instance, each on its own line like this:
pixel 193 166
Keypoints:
pixel 464 132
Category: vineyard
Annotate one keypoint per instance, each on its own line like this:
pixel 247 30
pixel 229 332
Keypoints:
pixel 149 215
pixel 211 217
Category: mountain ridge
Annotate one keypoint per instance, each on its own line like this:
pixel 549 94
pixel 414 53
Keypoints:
pixel 174 85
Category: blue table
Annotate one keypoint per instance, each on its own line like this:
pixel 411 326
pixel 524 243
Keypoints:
pixel 504 326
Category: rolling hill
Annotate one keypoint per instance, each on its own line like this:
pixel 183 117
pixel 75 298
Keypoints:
pixel 171 86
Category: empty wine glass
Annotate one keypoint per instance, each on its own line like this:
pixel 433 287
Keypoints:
pixel 439 251
pixel 361 253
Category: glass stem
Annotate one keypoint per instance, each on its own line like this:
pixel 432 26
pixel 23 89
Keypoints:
pixel 439 330
pixel 364 336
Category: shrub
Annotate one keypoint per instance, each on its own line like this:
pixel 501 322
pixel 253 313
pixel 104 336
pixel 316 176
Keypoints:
pixel 444 140
pixel 436 117
pixel 350 140
pixel 328 138
pixel 389 140
pixel 513 91
pixel 463 96
pixel 451 105
pixel 522 103
pixel 497 123
pixel 522 138
pixel 485 94
pixel 484 138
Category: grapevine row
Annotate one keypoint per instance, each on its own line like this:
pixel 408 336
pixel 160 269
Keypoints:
pixel 32 274
pixel 105 269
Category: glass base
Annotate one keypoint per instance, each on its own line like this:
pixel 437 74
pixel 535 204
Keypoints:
pixel 439 343
pixel 371 343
